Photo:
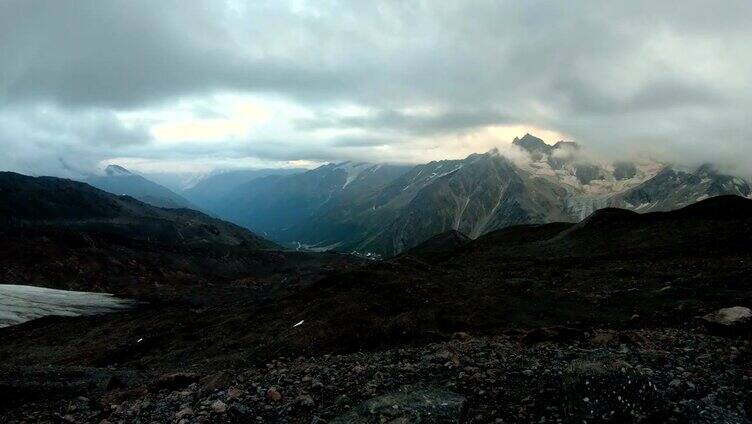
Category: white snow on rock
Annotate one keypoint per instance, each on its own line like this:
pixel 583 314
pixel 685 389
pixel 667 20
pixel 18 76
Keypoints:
pixel 353 170
pixel 736 315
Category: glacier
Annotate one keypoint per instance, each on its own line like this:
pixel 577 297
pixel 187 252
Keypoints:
pixel 19 303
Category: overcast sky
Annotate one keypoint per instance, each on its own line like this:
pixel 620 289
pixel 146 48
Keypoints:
pixel 174 85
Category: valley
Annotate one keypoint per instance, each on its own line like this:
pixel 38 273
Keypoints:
pixel 380 210
pixel 231 333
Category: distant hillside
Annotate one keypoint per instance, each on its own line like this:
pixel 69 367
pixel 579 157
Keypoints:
pixel 210 193
pixel 49 202
pixel 285 207
pixel 120 181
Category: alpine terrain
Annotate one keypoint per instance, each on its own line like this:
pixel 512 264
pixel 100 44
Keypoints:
pixel 120 181
pixel 383 210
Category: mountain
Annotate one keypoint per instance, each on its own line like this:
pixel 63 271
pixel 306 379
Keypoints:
pixel 540 315
pixel 473 196
pixel 120 181
pixel 211 192
pixel 439 246
pixel 675 188
pixel 486 192
pixel 283 207
pixel 49 202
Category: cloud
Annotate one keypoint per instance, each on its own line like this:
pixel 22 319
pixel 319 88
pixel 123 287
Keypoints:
pixel 410 122
pixel 93 80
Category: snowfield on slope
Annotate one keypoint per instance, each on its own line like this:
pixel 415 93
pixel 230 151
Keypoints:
pixel 24 303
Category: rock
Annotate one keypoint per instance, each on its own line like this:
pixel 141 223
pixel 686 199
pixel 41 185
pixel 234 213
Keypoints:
pixel 729 321
pixel 183 413
pixel 603 338
pixel 631 338
pixel 175 381
pixel 700 413
pixel 219 407
pixel 428 406
pixel 598 391
pixel 342 401
pixel 235 393
pixel 273 395
pixel 238 412
pixel 461 336
pixel 220 380
pixel 552 334
pixel 113 383
pixel 305 400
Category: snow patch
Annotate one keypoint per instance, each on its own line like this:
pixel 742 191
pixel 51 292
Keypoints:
pixel 23 303
pixel 353 170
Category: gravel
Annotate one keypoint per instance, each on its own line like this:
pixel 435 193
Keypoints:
pixel 693 377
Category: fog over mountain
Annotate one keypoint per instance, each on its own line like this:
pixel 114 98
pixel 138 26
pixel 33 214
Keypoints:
pixel 170 86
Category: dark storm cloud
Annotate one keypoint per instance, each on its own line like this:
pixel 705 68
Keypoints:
pixel 127 54
pixel 426 123
pixel 669 77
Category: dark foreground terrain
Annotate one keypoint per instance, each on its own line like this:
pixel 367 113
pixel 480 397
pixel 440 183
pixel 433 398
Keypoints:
pixel 601 320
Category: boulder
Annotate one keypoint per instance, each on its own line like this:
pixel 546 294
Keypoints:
pixel 552 334
pixel 183 413
pixel 697 412
pixel 219 407
pixel 220 380
pixel 608 391
pixel 425 406
pixel 175 381
pixel 603 338
pixel 273 395
pixel 736 320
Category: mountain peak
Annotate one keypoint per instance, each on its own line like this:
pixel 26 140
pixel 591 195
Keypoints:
pixel 532 144
pixel 706 169
pixel 116 170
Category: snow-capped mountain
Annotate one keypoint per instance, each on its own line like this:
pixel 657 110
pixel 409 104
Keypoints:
pixel 383 209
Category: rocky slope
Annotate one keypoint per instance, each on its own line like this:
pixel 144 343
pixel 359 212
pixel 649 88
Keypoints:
pixel 690 378
pixel 48 202
pixel 532 323
pixel 211 192
pixel 119 181
pixel 284 208
pixel 479 194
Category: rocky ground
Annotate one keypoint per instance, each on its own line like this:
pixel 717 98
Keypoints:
pixel 649 376
pixel 621 318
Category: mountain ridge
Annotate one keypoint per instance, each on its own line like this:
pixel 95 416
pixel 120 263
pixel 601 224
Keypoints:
pixel 487 191
pixel 120 181
pixel 48 202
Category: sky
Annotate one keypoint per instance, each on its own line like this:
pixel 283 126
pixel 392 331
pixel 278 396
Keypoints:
pixel 192 86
